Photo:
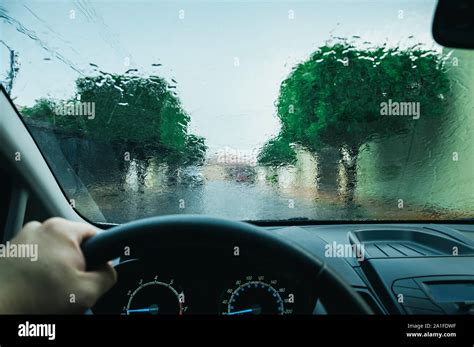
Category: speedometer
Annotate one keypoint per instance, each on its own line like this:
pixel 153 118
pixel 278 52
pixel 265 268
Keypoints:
pixel 256 296
pixel 156 298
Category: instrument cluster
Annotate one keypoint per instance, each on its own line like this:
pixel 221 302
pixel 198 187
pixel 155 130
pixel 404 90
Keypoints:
pixel 162 285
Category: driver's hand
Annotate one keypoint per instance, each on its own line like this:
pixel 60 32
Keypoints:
pixel 57 281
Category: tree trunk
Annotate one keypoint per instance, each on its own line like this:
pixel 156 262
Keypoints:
pixel 328 171
pixel 142 168
pixel 123 166
pixel 349 156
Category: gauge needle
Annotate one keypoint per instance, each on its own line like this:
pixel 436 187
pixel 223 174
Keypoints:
pixel 257 310
pixel 240 312
pixel 153 309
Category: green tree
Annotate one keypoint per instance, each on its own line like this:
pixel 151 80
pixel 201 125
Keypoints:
pixel 46 111
pixel 336 96
pixel 134 111
pixel 277 152
pixel 42 110
pixel 138 114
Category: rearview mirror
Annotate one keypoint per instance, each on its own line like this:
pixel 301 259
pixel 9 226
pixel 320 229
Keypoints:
pixel 453 24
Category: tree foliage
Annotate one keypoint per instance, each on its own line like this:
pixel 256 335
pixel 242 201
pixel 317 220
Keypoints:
pixel 45 110
pixel 277 152
pixel 140 113
pixel 335 97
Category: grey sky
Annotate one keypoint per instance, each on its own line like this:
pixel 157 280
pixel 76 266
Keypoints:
pixel 229 105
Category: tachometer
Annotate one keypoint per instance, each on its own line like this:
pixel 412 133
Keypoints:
pixel 155 297
pixel 257 296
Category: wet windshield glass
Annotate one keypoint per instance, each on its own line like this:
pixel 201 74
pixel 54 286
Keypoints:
pixel 250 110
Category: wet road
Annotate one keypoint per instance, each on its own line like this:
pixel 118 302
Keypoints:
pixel 243 201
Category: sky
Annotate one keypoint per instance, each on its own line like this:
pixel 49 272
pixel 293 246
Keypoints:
pixel 228 57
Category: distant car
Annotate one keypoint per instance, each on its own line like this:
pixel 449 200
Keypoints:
pixel 243 175
pixel 191 175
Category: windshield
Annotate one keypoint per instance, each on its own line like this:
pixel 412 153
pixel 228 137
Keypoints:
pixel 249 110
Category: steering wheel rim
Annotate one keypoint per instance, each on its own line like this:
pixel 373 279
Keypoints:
pixel 336 295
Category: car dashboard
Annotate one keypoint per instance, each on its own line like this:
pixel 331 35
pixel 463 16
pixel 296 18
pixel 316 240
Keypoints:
pixel 401 269
pixel 207 280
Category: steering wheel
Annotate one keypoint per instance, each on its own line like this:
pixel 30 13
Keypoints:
pixel 336 295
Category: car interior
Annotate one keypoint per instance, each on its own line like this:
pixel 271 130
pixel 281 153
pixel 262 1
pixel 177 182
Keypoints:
pixel 192 262
pixel 414 259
